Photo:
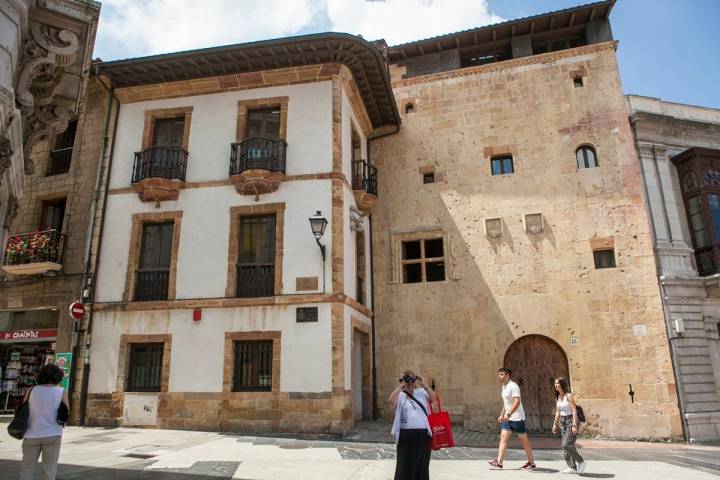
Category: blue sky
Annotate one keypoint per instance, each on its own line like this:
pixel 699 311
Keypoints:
pixel 668 48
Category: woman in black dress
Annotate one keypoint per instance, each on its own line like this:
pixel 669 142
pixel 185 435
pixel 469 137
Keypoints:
pixel 412 431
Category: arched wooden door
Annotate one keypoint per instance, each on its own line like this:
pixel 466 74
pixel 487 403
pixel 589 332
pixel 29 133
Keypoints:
pixel 535 361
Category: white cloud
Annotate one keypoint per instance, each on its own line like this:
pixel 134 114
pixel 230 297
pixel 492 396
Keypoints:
pixel 147 27
pixel 400 21
pixel 131 28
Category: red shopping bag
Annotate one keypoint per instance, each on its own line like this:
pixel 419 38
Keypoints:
pixel 442 436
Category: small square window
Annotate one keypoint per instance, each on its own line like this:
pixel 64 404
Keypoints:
pixel 423 260
pixel 604 258
pixel 253 366
pixel 578 81
pixel 429 177
pixel 145 364
pixel 502 165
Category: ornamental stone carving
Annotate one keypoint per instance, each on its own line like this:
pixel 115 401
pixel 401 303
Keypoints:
pixel 6 153
pixel 11 210
pixel 47 52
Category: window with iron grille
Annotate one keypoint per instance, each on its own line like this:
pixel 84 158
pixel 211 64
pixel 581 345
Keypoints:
pixel 253 366
pixel 502 165
pixel 604 258
pixel 423 260
pixel 61 154
pixel 145 367
pixel 256 256
pixel 153 274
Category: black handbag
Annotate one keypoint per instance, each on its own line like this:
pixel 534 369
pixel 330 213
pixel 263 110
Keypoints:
pixel 19 424
pixel 63 414
pixel 580 413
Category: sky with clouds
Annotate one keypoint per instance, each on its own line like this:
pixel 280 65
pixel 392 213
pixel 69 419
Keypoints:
pixel 668 48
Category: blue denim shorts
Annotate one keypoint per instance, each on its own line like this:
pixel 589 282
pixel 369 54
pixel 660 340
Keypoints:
pixel 514 426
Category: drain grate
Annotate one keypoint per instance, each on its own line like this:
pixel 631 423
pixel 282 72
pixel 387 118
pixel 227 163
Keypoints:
pixel 139 455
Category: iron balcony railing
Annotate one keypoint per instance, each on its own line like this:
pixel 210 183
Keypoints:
pixel 34 247
pixel 257 153
pixel 160 162
pixel 151 284
pixel 364 177
pixel 255 280
pixel 59 161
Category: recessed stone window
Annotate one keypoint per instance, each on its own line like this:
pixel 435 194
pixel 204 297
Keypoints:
pixel 409 108
pixel 145 367
pixel 429 177
pixel 604 258
pixel 578 81
pixel 423 260
pixel 253 366
pixel 586 157
pixel 502 165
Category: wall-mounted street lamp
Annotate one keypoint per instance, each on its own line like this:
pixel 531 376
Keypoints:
pixel 317 225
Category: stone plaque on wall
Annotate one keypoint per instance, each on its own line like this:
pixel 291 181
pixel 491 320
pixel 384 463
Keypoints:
pixel 306 283
pixel 140 409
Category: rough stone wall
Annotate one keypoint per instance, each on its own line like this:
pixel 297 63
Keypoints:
pixel 497 290
pixel 77 186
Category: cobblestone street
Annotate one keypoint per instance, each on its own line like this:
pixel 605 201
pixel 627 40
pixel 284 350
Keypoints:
pixel 89 453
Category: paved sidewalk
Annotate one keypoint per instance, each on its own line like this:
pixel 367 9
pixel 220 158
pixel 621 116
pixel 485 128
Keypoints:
pixel 125 454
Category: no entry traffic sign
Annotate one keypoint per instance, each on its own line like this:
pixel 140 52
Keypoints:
pixel 77 310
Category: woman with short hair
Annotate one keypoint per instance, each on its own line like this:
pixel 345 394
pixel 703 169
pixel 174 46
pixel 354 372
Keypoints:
pixel 43 432
pixel 566 420
pixel 411 401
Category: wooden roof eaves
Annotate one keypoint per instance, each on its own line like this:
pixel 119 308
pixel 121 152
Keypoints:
pixel 365 61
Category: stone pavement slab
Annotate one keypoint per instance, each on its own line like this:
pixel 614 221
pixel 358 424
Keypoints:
pixel 125 454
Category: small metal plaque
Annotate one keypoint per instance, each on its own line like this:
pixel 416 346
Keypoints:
pixel 306 314
pixel 639 330
pixel 306 283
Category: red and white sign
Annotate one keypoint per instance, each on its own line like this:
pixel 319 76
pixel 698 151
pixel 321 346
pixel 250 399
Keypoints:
pixel 77 310
pixel 28 335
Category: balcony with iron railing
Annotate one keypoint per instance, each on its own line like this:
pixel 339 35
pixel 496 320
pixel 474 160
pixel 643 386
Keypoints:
pixel 35 252
pixel 364 185
pixel 255 280
pixel 159 173
pixel 151 284
pixel 257 165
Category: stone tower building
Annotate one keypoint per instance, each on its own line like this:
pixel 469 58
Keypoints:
pixel 512 229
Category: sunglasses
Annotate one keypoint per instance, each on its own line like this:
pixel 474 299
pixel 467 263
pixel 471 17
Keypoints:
pixel 408 379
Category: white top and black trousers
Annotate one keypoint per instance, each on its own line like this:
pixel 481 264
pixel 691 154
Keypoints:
pixel 565 423
pixel 43 433
pixel 412 435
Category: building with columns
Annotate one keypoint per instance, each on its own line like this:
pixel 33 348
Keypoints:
pixel 679 149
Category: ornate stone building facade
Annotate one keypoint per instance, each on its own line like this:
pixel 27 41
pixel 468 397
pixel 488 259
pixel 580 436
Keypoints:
pixel 679 149
pixel 47 179
pixel 512 230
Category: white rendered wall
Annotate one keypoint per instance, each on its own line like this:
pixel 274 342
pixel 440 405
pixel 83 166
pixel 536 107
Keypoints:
pixel 203 248
pixel 213 125
pixel 204 235
pixel 197 352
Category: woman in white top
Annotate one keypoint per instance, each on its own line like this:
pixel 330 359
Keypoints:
pixel 411 428
pixel 566 419
pixel 44 432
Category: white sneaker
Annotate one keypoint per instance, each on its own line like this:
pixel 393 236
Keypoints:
pixel 570 470
pixel 581 467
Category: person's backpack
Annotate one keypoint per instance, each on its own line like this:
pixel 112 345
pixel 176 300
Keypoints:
pixel 580 413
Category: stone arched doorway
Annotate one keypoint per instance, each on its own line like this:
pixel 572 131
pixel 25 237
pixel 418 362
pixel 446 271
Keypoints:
pixel 535 361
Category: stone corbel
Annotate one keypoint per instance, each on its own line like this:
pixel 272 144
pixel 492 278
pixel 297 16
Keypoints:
pixel 46 53
pixel 6 153
pixel 11 210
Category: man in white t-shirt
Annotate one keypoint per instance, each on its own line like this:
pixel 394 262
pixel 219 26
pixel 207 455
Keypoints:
pixel 511 419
